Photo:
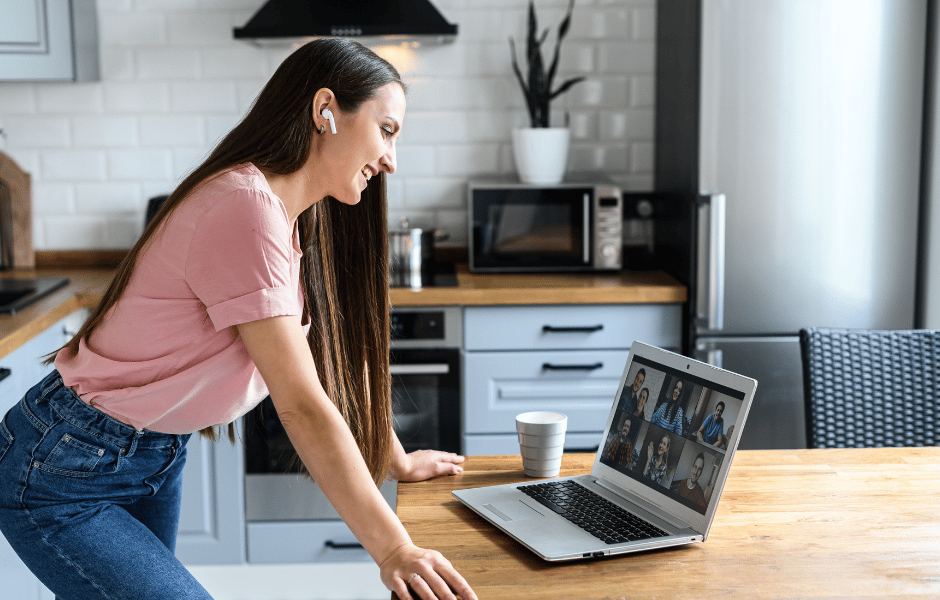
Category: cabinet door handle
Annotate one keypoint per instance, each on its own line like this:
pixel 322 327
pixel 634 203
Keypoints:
pixel 4 373
pixel 342 546
pixel 551 367
pixel 586 329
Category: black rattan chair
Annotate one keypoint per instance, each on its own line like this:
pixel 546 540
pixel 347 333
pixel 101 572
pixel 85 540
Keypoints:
pixel 871 388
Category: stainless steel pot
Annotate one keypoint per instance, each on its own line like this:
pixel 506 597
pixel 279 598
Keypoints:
pixel 410 252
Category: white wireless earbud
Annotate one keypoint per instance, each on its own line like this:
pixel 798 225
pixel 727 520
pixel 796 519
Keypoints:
pixel 328 115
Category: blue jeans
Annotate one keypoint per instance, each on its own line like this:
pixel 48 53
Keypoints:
pixel 90 504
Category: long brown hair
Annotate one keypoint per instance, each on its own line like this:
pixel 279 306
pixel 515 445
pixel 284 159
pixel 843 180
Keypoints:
pixel 345 264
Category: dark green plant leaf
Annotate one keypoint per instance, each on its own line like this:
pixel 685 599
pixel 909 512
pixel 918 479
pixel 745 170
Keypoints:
pixel 565 86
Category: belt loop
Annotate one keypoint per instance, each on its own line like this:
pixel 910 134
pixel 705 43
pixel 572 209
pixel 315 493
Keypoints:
pixel 133 447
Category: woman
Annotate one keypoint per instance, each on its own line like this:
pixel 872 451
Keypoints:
pixel 205 317
pixel 669 414
pixel 656 465
pixel 641 403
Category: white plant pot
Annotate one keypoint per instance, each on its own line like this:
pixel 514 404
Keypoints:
pixel 541 153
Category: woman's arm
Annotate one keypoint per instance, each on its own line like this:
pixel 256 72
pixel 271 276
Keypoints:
pixel 327 448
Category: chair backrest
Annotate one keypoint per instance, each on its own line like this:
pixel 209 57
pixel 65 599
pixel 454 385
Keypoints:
pixel 871 388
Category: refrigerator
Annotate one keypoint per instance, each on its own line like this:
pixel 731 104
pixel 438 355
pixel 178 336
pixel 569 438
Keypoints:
pixel 787 165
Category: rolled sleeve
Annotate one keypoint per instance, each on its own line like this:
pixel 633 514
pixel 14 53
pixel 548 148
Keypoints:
pixel 241 263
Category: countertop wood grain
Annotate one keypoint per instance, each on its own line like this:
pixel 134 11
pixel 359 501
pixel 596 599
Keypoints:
pixel 86 287
pixel 859 523
pixel 622 287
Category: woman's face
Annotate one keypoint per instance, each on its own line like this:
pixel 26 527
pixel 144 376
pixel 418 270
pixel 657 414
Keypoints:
pixel 641 401
pixel 676 391
pixel 364 143
pixel 664 446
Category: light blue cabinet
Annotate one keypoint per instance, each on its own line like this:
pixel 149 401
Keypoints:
pixel 25 370
pixel 212 517
pixel 49 40
pixel 563 358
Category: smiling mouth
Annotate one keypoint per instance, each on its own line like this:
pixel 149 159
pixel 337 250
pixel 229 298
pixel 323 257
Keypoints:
pixel 367 173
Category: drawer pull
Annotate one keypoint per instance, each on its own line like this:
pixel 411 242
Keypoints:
pixel 551 367
pixel 587 329
pixel 342 546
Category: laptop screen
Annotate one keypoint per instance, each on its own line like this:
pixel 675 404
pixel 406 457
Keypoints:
pixel 671 431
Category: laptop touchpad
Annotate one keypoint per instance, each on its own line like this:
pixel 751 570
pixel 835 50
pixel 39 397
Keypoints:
pixel 516 510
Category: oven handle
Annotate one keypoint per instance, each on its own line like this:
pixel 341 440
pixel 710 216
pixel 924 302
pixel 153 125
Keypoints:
pixel 420 369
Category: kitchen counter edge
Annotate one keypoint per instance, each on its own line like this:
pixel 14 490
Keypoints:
pixel 87 286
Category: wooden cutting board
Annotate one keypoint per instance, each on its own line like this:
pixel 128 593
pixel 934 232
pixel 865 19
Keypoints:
pixel 18 182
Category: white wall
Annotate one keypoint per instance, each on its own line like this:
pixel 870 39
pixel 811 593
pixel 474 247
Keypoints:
pixel 174 81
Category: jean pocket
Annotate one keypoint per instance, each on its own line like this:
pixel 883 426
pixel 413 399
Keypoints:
pixel 72 456
pixel 6 437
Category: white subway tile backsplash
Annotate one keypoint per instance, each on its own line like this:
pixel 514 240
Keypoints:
pixel 467 159
pixel 110 197
pixel 17 99
pixel 204 96
pixel 133 97
pixel 117 64
pixel 53 199
pixel 642 91
pixel 644 24
pixel 167 63
pixel 69 98
pixel 174 82
pixel 111 132
pixel 172 131
pixel 429 193
pixel 414 161
pixel 73 165
pixel 132 29
pixel 122 232
pixel 195 28
pixel 641 157
pixel 73 232
pixel 38 131
pixel 137 165
pixel 234 62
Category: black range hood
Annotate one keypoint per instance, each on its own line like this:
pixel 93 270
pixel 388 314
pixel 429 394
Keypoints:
pixel 286 21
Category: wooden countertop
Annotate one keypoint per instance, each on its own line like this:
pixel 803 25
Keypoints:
pixel 859 523
pixel 623 287
pixel 86 286
pixel 84 289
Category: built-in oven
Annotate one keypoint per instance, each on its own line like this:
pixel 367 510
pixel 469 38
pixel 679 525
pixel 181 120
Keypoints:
pixel 288 517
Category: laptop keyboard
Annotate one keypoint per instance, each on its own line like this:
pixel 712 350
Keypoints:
pixel 598 516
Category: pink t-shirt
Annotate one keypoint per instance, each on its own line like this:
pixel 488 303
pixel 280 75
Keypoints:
pixel 168 357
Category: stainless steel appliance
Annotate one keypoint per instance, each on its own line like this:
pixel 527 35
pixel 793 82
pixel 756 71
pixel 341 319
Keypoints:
pixel 572 226
pixel 425 368
pixel 788 137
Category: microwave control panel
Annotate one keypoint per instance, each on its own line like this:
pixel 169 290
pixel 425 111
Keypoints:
pixel 608 228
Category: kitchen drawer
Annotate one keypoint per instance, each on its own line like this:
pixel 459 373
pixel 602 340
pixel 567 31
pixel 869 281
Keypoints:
pixel 571 327
pixel 500 385
pixel 508 443
pixel 286 542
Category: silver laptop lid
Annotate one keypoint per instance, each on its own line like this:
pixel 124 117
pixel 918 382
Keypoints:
pixel 672 433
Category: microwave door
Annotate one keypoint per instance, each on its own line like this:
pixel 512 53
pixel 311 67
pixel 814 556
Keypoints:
pixel 585 237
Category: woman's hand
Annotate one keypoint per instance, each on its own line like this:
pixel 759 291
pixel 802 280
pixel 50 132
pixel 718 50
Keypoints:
pixel 413 572
pixel 425 464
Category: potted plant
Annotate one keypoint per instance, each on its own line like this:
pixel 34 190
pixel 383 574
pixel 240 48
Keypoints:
pixel 541 151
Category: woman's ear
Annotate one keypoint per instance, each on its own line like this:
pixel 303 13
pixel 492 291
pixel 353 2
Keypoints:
pixel 324 100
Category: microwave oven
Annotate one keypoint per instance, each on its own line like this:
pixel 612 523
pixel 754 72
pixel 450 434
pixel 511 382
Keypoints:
pixel 515 227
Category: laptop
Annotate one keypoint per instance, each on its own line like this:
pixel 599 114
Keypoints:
pixel 662 462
